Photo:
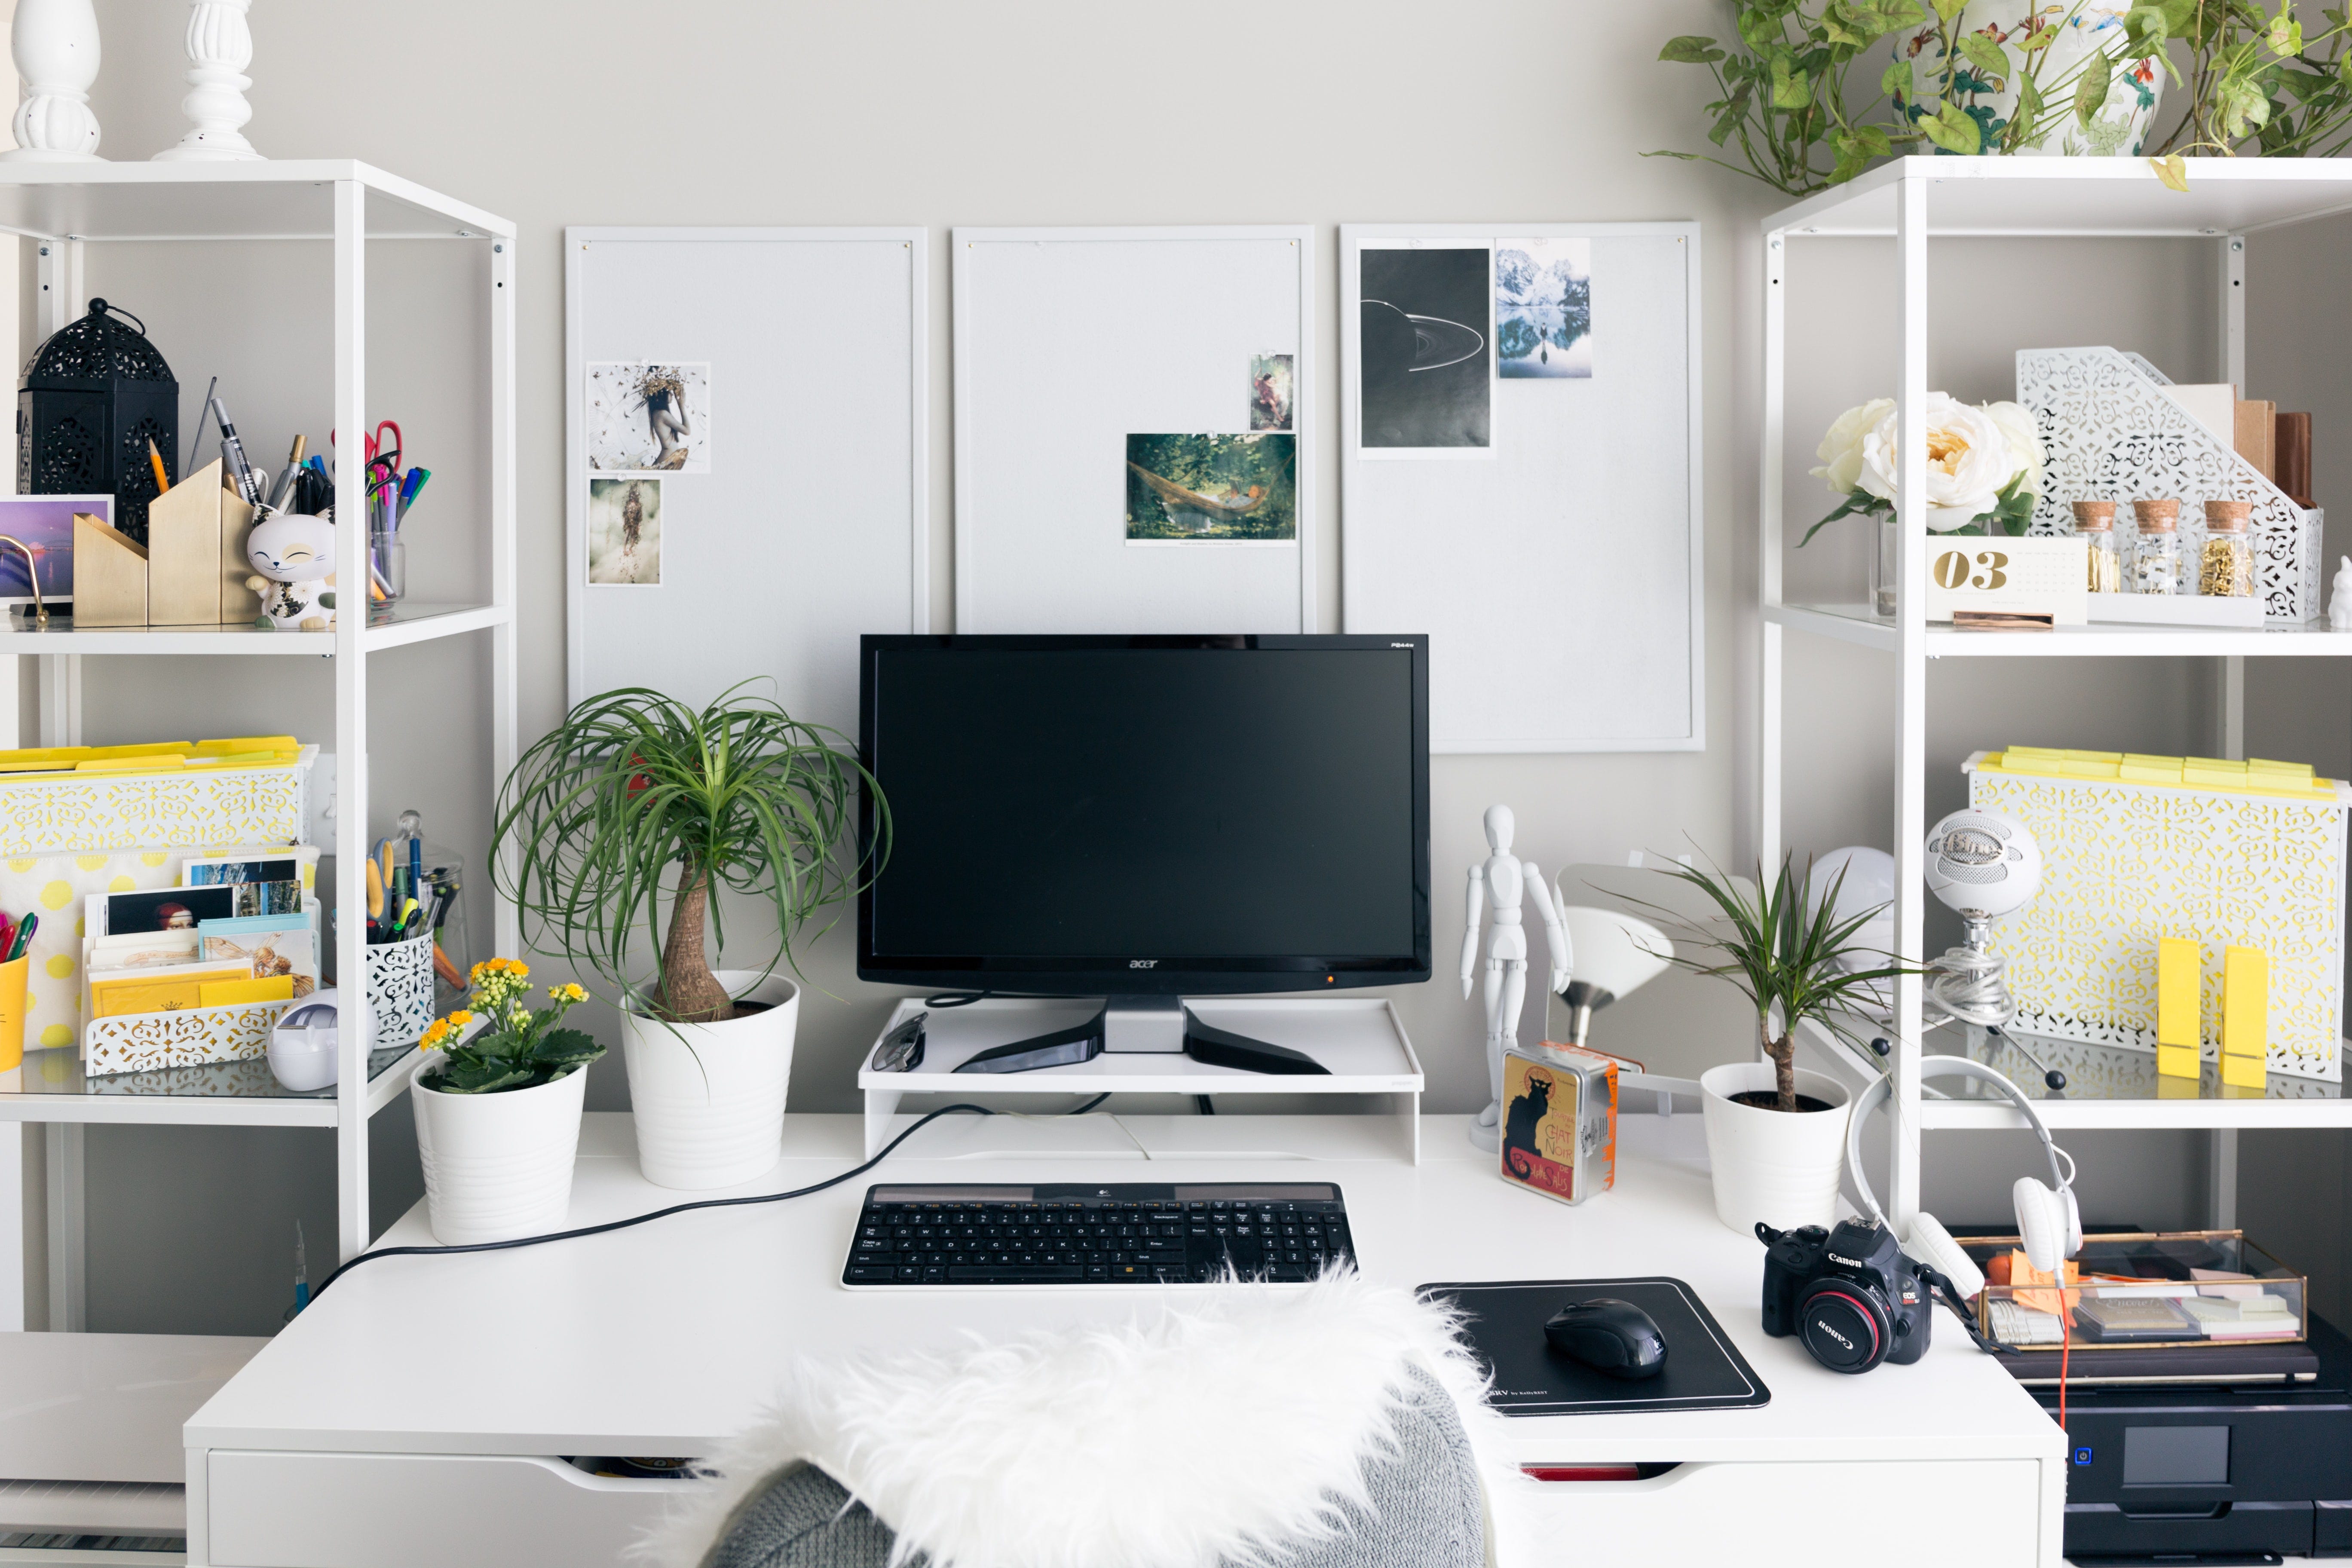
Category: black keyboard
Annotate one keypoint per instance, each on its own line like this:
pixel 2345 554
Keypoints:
pixel 1129 1233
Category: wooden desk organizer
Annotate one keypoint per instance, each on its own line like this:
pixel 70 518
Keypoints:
pixel 191 571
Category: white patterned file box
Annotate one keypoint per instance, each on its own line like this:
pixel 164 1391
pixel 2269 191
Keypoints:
pixel 85 813
pixel 139 1042
pixel 400 989
pixel 2125 863
pixel 2111 432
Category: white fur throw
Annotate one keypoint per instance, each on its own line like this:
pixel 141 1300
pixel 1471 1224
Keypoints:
pixel 1231 1431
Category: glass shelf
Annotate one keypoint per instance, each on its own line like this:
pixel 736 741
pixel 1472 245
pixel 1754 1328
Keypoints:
pixel 2117 1086
pixel 50 1081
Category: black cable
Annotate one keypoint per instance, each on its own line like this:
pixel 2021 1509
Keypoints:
pixel 1201 1103
pixel 675 1208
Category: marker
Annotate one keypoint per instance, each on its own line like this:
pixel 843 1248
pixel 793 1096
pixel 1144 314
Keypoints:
pixel 233 452
pixel 417 865
pixel 24 938
pixel 301 1272
pixel 375 894
pixel 410 490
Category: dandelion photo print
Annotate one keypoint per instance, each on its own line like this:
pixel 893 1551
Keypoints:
pixel 624 532
pixel 1425 357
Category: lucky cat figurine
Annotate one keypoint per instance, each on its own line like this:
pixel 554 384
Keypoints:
pixel 295 557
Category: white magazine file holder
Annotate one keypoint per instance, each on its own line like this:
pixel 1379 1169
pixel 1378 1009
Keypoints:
pixel 2110 431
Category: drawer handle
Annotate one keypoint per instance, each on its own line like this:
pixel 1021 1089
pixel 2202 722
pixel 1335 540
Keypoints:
pixel 1593 1472
pixel 2212 1510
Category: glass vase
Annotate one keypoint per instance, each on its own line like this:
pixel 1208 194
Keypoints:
pixel 1883 572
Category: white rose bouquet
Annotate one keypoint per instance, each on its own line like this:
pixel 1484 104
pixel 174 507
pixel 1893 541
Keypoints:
pixel 1984 465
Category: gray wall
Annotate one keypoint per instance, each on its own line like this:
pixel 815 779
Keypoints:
pixel 728 111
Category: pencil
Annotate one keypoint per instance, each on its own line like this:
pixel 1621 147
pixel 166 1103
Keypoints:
pixel 156 457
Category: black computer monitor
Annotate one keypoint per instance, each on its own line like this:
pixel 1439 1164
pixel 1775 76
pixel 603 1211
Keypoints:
pixel 1147 816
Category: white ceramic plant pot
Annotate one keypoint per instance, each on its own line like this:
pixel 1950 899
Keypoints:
pixel 1772 1165
pixel 497 1165
pixel 2119 129
pixel 708 1098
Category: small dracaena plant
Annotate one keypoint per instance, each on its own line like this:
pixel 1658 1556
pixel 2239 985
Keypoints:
pixel 1783 946
pixel 517 1048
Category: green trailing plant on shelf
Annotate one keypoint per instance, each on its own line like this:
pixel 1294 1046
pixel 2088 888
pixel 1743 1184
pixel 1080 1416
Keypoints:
pixel 1783 946
pixel 514 1047
pixel 1809 93
pixel 619 825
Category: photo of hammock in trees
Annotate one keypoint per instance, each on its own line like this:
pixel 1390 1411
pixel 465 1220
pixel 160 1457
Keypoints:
pixel 1220 489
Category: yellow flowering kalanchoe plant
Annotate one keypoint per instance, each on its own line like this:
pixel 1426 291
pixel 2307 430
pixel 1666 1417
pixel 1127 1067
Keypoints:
pixel 517 1048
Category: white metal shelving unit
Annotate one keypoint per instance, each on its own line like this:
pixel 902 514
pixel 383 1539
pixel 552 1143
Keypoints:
pixel 1913 201
pixel 68 207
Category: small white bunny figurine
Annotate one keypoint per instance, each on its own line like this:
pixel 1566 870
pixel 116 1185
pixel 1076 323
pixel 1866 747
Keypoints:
pixel 295 557
pixel 2339 602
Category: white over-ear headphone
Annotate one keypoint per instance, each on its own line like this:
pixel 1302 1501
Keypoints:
pixel 2047 1218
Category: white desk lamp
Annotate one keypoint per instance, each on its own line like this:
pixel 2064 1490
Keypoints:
pixel 1615 957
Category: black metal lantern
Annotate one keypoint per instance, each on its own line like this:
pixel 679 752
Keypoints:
pixel 93 395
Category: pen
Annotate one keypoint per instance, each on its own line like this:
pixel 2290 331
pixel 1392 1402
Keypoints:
pixel 301 1272
pixel 161 483
pixel 416 865
pixel 24 938
pixel 285 490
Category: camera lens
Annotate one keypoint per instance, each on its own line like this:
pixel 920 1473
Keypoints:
pixel 1841 1330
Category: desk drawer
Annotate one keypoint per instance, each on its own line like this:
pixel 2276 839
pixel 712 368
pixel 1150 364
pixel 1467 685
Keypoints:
pixel 1955 1514
pixel 273 1509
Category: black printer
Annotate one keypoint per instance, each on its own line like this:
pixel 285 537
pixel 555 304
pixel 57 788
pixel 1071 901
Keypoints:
pixel 2212 1473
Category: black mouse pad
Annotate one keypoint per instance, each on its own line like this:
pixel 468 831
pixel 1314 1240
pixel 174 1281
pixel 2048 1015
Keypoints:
pixel 1504 1324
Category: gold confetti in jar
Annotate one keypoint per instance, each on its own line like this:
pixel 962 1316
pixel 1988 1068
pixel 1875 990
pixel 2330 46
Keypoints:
pixel 2156 553
pixel 2094 521
pixel 2226 570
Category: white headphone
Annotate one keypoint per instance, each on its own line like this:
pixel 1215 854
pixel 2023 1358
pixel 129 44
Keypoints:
pixel 2047 1218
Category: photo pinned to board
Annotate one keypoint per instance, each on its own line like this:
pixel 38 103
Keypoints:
pixel 1212 489
pixel 1270 394
pixel 1543 308
pixel 649 418
pixel 1425 353
pixel 624 532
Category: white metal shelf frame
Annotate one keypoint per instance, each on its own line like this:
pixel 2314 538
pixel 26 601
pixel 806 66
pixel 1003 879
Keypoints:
pixel 1913 201
pixel 68 206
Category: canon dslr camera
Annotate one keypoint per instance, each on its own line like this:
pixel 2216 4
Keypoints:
pixel 1849 1293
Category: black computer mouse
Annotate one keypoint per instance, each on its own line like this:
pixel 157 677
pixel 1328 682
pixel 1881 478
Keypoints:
pixel 1609 1335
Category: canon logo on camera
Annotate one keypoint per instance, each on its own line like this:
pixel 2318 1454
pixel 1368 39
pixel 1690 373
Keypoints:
pixel 1833 1333
pixel 1849 1262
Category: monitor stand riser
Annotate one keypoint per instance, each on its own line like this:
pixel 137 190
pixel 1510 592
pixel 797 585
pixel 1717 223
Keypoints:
pixel 1144 1025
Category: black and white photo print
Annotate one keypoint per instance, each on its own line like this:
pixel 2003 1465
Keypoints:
pixel 1425 359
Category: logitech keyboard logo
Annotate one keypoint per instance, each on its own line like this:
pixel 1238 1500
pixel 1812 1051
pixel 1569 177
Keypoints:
pixel 1143 964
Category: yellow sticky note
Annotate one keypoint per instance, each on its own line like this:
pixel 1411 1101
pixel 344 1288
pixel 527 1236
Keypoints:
pixel 2246 1001
pixel 2170 1085
pixel 236 993
pixel 2243 1072
pixel 2177 963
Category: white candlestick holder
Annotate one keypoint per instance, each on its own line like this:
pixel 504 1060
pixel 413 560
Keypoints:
pixel 55 45
pixel 220 46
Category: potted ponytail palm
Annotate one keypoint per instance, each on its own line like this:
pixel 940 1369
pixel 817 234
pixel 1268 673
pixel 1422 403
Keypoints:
pixel 616 832
pixel 1776 1132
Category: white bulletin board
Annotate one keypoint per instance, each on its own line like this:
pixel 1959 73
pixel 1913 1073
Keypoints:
pixel 1560 580
pixel 796 521
pixel 1070 341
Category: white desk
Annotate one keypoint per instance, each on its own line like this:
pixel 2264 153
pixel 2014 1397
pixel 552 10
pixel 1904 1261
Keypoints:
pixel 416 1412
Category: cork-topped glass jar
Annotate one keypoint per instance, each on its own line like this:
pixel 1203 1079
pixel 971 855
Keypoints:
pixel 2226 568
pixel 2095 523
pixel 2156 553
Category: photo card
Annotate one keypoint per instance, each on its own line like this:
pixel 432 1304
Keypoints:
pixel 1212 489
pixel 166 909
pixel 44 524
pixel 1270 392
pixel 1543 308
pixel 1425 354
pixel 624 532
pixel 648 417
